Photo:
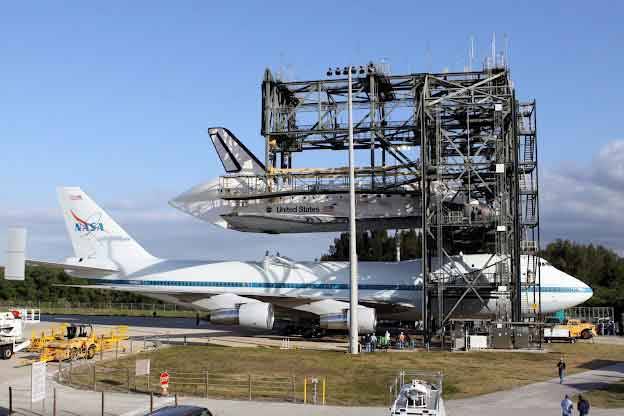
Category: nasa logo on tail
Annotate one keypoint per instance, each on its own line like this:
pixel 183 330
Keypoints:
pixel 86 226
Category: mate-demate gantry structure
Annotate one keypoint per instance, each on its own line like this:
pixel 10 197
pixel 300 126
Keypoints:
pixel 460 142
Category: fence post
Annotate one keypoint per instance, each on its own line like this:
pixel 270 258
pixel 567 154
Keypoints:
pixel 305 390
pixel 60 372
pixel 128 378
pixel 175 398
pixel 102 402
pixel 71 365
pixel 101 347
pixel 54 402
pixel 148 379
pixel 249 375
pixel 206 383
pixel 294 391
pixel 10 400
pixel 116 350
pixel 94 377
pixel 324 383
pixel 151 402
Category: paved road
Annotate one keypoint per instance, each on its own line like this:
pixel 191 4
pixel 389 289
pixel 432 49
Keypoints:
pixel 540 398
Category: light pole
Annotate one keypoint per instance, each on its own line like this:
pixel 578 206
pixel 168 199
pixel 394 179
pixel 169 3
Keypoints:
pixel 353 293
pixel 353 281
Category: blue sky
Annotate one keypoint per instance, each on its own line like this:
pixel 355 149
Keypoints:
pixel 116 97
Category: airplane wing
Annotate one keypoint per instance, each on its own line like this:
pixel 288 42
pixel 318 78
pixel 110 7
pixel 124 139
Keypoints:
pixel 284 301
pixel 72 267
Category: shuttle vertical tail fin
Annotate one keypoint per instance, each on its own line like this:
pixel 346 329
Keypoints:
pixel 96 237
pixel 235 157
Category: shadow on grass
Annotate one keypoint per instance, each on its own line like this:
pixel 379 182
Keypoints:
pixel 597 364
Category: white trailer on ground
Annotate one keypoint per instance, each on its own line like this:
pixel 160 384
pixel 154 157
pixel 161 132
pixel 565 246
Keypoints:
pixel 558 334
pixel 12 333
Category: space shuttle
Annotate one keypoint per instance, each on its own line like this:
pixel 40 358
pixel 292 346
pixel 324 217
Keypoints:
pixel 251 199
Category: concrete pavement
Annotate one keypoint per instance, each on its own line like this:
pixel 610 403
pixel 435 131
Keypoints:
pixel 539 398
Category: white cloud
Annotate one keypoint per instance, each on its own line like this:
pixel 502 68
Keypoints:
pixel 585 203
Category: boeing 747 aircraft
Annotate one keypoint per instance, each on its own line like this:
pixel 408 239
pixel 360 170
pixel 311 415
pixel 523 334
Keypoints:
pixel 251 293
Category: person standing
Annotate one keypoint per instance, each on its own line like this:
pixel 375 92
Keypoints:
pixel 401 340
pixel 561 366
pixel 582 406
pixel 373 342
pixel 566 406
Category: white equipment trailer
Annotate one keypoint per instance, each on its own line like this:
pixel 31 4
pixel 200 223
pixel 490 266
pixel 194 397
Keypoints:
pixel 558 334
pixel 12 333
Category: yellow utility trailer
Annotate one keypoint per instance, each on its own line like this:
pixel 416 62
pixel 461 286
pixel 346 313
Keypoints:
pixel 81 341
pixel 38 342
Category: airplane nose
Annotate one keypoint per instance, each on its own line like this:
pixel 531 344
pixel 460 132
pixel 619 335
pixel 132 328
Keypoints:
pixel 586 291
pixel 589 293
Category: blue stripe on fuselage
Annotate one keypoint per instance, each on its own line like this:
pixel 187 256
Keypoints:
pixel 281 285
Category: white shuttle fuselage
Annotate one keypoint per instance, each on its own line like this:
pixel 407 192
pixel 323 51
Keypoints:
pixel 247 199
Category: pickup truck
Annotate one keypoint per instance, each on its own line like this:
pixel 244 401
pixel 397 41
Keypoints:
pixel 570 330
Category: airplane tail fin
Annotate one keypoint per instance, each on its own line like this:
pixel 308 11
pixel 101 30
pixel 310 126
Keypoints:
pixel 235 157
pixel 96 238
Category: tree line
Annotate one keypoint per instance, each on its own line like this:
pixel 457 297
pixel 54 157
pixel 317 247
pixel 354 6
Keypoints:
pixel 42 284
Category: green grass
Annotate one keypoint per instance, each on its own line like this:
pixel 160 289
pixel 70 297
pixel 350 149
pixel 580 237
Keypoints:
pixel 359 380
pixel 609 397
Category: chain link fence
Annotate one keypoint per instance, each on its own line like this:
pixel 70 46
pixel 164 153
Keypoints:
pixel 110 376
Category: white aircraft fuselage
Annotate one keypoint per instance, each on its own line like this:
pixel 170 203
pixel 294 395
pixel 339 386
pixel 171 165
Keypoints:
pixel 298 285
pixel 250 293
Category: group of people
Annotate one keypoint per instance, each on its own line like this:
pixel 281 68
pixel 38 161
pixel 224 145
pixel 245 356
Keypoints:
pixel 607 328
pixel 567 406
pixel 371 342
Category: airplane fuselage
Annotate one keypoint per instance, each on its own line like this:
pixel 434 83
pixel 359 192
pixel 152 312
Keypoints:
pixel 296 285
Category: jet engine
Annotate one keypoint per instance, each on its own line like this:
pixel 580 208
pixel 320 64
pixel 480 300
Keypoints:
pixel 367 320
pixel 257 315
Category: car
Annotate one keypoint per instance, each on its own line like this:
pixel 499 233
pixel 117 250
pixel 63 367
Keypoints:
pixel 181 411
